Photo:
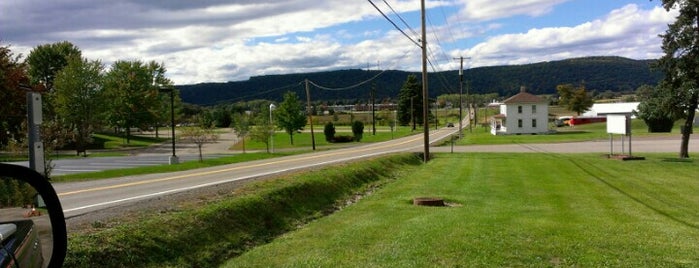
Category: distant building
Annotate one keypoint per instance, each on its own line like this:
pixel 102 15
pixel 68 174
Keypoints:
pixel 523 113
pixel 619 108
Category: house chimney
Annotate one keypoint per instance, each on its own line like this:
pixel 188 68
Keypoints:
pixel 522 89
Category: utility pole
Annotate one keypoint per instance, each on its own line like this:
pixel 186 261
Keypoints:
pixel 470 107
pixel 373 108
pixel 425 95
pixel 309 109
pixel 461 93
pixel 412 112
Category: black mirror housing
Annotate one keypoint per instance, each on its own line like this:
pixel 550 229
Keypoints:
pixel 53 206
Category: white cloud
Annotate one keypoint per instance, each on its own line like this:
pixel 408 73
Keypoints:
pixel 482 10
pixel 219 40
pixel 628 32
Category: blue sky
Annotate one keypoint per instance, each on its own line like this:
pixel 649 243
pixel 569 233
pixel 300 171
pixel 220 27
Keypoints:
pixel 224 40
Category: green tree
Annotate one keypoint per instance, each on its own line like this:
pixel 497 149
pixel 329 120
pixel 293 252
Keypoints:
pixel 681 65
pixel 132 90
pixel 654 109
pixel 13 109
pixel 262 130
pixel 290 115
pixel 358 130
pixel 242 126
pixel 221 116
pixel 199 136
pixel 78 99
pixel 410 102
pixel 329 131
pixel 574 99
pixel 46 60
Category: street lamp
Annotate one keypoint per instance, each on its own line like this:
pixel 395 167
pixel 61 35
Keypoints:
pixel 173 158
pixel 271 136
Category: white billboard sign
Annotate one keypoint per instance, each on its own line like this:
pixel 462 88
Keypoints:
pixel 618 124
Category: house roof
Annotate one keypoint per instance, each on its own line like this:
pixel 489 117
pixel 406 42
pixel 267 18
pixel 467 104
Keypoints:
pixel 611 108
pixel 524 97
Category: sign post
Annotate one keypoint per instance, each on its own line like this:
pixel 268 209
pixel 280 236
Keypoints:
pixel 620 124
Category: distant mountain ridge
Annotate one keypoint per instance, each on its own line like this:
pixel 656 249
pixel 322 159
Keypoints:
pixel 598 73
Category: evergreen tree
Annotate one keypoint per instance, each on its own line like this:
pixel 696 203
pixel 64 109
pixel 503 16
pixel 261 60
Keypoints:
pixel 410 102
pixel 329 131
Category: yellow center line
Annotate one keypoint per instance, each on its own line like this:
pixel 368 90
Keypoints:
pixel 226 169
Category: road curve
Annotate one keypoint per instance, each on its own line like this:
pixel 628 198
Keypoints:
pixel 83 197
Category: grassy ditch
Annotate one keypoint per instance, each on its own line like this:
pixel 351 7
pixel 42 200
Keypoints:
pixel 254 214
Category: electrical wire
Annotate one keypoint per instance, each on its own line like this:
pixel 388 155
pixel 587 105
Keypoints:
pixel 401 18
pixel 264 92
pixel 394 24
pixel 348 87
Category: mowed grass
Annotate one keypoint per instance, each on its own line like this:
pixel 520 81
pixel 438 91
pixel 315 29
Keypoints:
pixel 510 210
pixel 304 140
pixel 586 132
pixel 112 141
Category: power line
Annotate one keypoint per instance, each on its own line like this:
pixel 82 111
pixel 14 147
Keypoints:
pixel 394 24
pixel 401 18
pixel 264 92
pixel 348 87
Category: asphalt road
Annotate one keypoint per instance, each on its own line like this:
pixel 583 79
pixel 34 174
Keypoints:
pixel 91 164
pixel 84 197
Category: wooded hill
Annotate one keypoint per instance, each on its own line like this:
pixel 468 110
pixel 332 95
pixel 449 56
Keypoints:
pixel 598 73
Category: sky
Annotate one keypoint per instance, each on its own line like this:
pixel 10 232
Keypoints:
pixel 232 40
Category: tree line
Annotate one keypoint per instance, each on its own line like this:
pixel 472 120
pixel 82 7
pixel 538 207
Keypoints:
pixel 79 96
pixel 601 74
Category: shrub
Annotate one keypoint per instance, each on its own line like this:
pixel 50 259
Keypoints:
pixel 358 130
pixel 329 132
pixel 340 139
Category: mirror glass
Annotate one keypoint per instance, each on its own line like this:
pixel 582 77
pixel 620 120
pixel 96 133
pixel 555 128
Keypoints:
pixel 25 227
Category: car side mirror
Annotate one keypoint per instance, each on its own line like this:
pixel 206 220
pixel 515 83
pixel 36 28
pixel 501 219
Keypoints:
pixel 32 225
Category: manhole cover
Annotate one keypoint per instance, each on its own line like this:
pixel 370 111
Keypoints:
pixel 428 201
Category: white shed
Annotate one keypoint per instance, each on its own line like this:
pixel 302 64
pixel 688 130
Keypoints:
pixel 523 113
pixel 619 108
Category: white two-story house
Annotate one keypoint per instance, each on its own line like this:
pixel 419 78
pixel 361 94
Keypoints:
pixel 523 113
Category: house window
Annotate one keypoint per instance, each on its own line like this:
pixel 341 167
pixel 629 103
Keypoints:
pixel 533 109
pixel 519 109
pixel 534 123
pixel 519 123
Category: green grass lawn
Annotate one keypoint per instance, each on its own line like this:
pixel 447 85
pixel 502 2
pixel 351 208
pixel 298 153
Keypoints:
pixel 303 140
pixel 510 210
pixel 587 132
pixel 111 141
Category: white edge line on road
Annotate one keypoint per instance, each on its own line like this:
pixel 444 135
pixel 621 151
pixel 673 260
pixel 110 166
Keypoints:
pixel 234 179
pixel 219 182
